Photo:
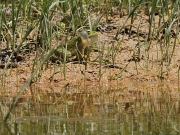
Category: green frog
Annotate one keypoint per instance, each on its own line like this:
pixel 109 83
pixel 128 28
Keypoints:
pixel 78 47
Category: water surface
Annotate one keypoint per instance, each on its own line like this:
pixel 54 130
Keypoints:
pixel 120 111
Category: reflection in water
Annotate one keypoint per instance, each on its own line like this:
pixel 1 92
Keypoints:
pixel 117 112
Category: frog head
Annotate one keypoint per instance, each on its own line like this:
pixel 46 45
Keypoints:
pixel 88 40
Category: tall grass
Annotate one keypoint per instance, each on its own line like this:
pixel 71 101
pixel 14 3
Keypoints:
pixel 37 17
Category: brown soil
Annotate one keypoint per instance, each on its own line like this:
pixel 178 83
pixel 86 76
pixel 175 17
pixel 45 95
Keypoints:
pixel 128 72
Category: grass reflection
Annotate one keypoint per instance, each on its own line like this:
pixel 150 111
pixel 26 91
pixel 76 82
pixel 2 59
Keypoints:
pixel 85 113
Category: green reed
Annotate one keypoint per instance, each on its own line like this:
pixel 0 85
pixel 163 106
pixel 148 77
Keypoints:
pixel 131 13
pixel 34 75
pixel 151 17
pixel 170 30
pixel 77 15
pixel 101 54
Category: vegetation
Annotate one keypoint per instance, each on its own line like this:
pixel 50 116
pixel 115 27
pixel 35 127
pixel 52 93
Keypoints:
pixel 40 27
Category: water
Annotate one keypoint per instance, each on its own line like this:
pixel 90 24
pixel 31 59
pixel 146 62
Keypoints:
pixel 119 112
